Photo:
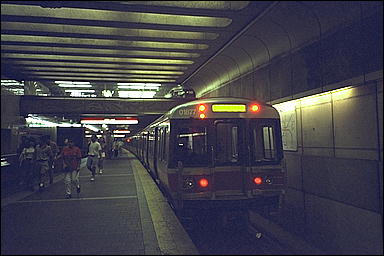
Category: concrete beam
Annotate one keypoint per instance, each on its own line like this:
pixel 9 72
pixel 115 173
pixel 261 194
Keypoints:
pixel 65 105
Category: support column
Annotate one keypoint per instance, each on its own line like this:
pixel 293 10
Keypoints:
pixel 29 88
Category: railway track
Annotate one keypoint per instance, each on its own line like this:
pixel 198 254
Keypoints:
pixel 212 235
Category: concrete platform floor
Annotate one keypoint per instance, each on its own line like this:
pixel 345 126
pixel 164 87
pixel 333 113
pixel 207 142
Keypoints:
pixel 121 212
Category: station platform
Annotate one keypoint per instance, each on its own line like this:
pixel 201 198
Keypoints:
pixel 121 212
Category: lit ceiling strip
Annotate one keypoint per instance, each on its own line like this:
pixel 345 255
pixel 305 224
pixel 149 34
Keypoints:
pixel 101 42
pixel 105 79
pixel 210 5
pixel 96 70
pixel 106 15
pixel 91 58
pixel 86 64
pixel 59 50
pixel 108 31
pixel 64 74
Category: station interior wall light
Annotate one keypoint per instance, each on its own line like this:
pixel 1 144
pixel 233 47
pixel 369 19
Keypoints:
pixel 33 121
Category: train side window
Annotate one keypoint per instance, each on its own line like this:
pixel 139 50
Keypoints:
pixel 159 140
pixel 151 142
pixel 164 136
pixel 269 144
pixel 264 142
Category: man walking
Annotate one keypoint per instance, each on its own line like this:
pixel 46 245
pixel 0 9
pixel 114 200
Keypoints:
pixel 43 154
pixel 71 166
pixel 94 153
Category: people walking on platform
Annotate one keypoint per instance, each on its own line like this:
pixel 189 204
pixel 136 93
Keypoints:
pixel 94 153
pixel 55 151
pixel 103 154
pixel 108 141
pixel 115 148
pixel 27 164
pixel 71 156
pixel 43 154
pixel 120 144
pixel 23 144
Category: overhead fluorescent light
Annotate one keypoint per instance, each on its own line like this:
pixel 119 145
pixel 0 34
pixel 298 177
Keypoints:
pixel 141 84
pixel 118 135
pixel 91 127
pixel 90 91
pixel 71 82
pixel 138 87
pixel 75 85
pixel 90 135
pixel 136 94
pixel 117 120
pixel 121 131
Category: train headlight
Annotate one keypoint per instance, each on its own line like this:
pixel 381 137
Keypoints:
pixel 188 183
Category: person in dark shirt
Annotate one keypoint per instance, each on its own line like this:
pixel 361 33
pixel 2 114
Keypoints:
pixel 55 151
pixel 27 164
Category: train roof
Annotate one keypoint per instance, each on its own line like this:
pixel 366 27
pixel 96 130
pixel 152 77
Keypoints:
pixel 186 110
pixel 218 100
pixel 190 110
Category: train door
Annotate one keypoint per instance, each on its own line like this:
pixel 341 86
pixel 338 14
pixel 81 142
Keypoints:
pixel 228 170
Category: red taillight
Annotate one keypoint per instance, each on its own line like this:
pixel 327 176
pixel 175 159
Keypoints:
pixel 255 108
pixel 202 116
pixel 202 108
pixel 203 183
pixel 258 180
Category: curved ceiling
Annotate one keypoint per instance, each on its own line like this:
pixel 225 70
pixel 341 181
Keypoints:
pixel 117 41
pixel 282 29
pixel 200 44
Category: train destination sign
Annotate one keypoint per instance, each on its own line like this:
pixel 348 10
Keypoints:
pixel 229 108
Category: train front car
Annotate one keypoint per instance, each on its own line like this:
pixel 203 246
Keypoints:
pixel 225 154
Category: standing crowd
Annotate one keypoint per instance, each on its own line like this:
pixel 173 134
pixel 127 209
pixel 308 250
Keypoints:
pixel 38 159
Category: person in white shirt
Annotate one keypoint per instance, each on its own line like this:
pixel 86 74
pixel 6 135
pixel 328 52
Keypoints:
pixel 94 153
pixel 43 154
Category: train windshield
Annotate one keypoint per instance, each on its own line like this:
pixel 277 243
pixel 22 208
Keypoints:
pixel 193 140
pixel 265 146
pixel 191 145
pixel 228 142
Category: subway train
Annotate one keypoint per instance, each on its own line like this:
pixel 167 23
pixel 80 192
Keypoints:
pixel 216 154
